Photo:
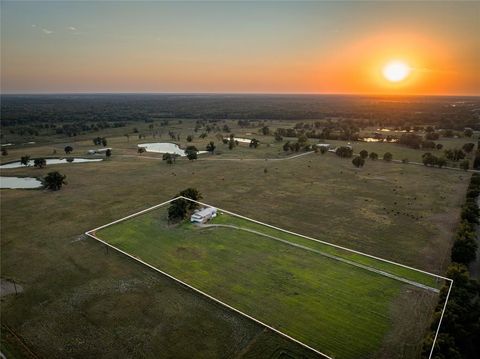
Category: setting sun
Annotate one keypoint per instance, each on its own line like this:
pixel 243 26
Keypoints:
pixel 396 71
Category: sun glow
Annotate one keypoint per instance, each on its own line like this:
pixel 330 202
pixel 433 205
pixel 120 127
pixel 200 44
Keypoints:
pixel 396 71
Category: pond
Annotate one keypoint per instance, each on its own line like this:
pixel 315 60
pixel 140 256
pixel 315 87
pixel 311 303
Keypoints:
pixel 19 182
pixel 241 140
pixel 164 147
pixel 50 161
pixel 374 139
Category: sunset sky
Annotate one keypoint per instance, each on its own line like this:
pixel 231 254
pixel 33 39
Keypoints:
pixel 233 47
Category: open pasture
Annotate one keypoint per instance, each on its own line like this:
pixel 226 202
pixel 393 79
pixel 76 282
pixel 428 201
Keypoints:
pixel 322 196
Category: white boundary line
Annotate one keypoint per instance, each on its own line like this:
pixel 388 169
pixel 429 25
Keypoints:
pixel 91 234
pixel 441 318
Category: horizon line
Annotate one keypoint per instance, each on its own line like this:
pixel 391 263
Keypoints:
pixel 233 93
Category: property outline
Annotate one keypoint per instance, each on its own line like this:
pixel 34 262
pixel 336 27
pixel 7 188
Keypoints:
pixel 92 234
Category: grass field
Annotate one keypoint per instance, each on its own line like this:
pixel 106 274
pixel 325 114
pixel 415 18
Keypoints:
pixel 334 307
pixel 113 307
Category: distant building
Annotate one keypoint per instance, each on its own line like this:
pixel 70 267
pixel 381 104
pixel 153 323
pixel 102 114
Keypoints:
pixel 203 215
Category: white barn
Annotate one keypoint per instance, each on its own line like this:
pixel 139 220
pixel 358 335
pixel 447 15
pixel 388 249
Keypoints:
pixel 203 215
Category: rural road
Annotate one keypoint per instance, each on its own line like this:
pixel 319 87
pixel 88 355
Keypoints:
pixel 343 260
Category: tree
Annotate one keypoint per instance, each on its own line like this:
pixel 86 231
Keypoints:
pixel 141 150
pixel 39 162
pixel 104 142
pixel 344 151
pixel 468 132
pixel 470 212
pixel 363 154
pixel 286 146
pixel 278 137
pixel 54 181
pixel 231 143
pixel 68 149
pixel 323 150
pixel 439 146
pixel 108 153
pixel 302 140
pixel 177 210
pixel 211 147
pixel 191 152
pixel 265 130
pixel 464 249
pixel 193 194
pixel 455 154
pixel 180 208
pixel 373 156
pixel 358 161
pixel 468 147
pixel 387 156
pixel 428 159
pixel 24 160
pixel 169 158
pixel 203 135
pixel 189 138
pixel 441 162
pixel 254 143
pixel 465 165
pixel 4 151
pixel 411 140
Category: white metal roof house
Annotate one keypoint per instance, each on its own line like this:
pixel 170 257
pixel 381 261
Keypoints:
pixel 203 215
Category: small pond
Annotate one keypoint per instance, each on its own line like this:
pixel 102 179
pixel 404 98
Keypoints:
pixel 374 139
pixel 50 161
pixel 164 147
pixel 19 182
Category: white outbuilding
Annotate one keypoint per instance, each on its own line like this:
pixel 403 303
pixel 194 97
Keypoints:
pixel 203 215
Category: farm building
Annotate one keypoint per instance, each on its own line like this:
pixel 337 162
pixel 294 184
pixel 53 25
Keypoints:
pixel 203 215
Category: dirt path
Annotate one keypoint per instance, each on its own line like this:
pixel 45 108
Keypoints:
pixel 8 287
pixel 371 269
pixel 289 158
pixel 227 159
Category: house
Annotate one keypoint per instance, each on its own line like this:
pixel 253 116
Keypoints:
pixel 203 215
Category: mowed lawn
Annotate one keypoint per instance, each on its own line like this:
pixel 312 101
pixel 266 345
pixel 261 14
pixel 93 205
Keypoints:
pixel 339 309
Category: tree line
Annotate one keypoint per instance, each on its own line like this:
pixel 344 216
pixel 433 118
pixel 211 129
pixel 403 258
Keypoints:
pixel 459 335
